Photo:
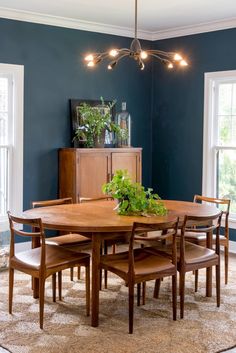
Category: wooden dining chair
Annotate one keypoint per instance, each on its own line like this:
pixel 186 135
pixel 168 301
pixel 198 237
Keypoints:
pixel 200 238
pixel 43 261
pixel 107 243
pixel 192 257
pixel 144 264
pixel 73 241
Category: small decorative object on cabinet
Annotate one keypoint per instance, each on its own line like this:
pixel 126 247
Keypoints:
pixel 93 123
pixel 83 171
pixel 123 119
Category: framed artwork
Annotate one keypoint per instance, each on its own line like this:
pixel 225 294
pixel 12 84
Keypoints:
pixel 77 119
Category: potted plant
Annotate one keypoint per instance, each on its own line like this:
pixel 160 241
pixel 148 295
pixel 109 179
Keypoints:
pixel 96 121
pixel 132 198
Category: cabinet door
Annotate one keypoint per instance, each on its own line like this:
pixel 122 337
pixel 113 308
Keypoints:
pixel 93 171
pixel 127 160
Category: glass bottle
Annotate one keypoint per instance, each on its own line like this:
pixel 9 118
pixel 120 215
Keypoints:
pixel 123 119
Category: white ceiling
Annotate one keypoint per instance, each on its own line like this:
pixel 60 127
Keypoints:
pixel 156 18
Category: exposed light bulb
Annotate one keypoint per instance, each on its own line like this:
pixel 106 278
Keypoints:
pixel 112 65
pixel 113 52
pixel 141 65
pixel 89 57
pixel 143 54
pixel 170 66
pixel 183 63
pixel 177 57
pixel 90 63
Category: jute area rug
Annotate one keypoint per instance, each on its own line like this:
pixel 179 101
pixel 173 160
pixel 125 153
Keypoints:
pixel 205 328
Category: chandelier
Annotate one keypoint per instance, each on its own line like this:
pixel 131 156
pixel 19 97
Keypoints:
pixel 170 59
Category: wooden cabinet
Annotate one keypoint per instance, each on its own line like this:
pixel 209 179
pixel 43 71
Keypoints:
pixel 83 171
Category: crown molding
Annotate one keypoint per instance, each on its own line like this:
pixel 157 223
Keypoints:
pixel 72 23
pixel 194 29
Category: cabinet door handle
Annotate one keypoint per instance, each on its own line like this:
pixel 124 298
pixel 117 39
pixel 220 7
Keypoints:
pixel 108 177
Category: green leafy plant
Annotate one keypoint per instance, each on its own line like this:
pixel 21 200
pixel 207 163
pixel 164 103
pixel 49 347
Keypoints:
pixel 95 122
pixel 132 198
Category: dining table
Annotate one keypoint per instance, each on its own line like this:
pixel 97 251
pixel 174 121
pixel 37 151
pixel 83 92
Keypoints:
pixel 99 221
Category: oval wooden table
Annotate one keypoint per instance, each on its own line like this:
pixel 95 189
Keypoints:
pixel 99 221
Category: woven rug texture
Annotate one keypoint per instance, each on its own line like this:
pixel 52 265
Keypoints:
pixel 205 328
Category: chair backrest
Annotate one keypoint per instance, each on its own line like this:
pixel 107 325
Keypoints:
pixel 197 224
pixel 56 202
pixel 217 202
pixel 168 230
pixel 90 199
pixel 37 232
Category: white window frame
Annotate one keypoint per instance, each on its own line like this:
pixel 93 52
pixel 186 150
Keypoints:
pixel 15 149
pixel 209 147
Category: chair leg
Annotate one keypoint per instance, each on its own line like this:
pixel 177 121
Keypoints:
pixel 87 284
pixel 105 279
pixel 218 285
pixel 174 296
pixel 131 307
pixel 54 280
pixel 105 272
pixel 78 272
pixel 71 273
pixel 181 292
pixel 196 280
pixel 138 293
pixel 41 301
pixel 144 293
pixel 226 263
pixel 157 288
pixel 60 284
pixel 11 284
pixel 101 252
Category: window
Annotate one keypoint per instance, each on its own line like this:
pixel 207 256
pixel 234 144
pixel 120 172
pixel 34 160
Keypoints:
pixel 11 141
pixel 219 150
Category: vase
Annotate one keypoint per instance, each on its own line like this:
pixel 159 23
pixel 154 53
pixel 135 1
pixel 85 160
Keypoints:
pixel 99 140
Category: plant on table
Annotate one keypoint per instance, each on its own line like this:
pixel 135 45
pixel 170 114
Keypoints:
pixel 132 198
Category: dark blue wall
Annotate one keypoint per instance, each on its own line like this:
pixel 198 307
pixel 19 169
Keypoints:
pixel 54 73
pixel 178 99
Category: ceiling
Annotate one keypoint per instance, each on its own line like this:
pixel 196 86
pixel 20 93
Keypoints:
pixel 156 18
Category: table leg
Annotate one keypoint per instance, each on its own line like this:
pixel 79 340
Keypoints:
pixel 96 243
pixel 209 269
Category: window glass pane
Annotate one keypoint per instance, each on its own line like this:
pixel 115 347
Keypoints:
pixel 3 110
pixel 225 99
pixel 234 99
pixel 227 130
pixel 226 176
pixel 3 180
pixel 3 128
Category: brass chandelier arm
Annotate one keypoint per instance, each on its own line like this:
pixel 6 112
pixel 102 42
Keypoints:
pixel 106 54
pixel 159 57
pixel 122 56
pixel 113 63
